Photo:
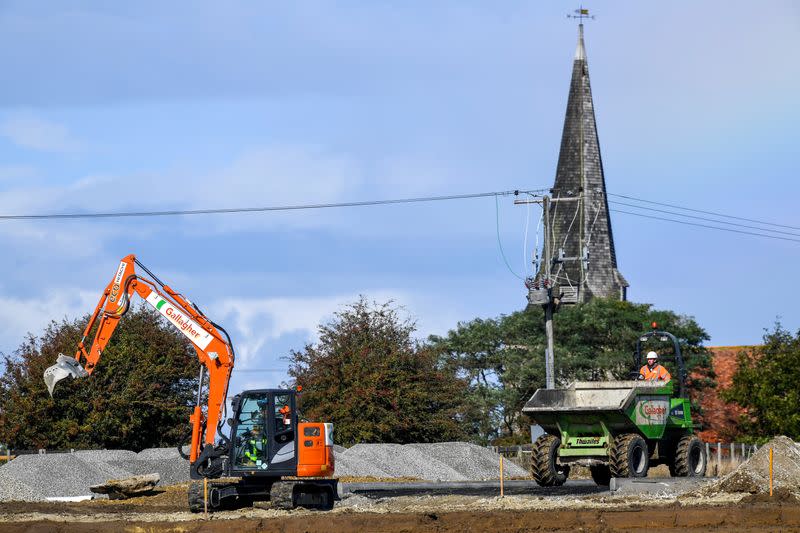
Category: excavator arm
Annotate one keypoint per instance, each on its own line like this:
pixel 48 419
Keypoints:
pixel 210 341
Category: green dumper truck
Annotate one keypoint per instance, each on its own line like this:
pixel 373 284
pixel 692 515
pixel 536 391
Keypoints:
pixel 617 428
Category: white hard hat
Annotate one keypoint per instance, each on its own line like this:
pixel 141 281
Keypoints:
pixel 652 355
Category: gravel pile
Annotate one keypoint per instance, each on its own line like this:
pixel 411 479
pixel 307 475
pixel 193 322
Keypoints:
pixel 398 460
pixel 752 476
pixel 37 477
pixel 50 475
pixel 470 460
pixel 443 461
pixel 11 489
pixel 167 462
pixel 353 466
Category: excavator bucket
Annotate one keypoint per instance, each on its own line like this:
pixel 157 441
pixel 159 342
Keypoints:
pixel 65 366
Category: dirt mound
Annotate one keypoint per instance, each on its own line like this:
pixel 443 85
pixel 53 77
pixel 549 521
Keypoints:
pixel 778 496
pixel 752 476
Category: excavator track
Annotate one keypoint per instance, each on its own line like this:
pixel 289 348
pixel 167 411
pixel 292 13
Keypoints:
pixel 282 494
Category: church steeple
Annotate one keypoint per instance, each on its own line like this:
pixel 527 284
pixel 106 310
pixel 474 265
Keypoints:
pixel 579 218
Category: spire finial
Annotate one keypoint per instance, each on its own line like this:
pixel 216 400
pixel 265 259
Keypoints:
pixel 580 14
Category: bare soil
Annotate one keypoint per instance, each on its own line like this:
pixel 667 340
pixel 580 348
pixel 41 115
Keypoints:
pixel 752 517
pixel 166 512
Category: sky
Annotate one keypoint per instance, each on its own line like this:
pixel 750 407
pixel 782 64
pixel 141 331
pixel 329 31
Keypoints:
pixel 191 105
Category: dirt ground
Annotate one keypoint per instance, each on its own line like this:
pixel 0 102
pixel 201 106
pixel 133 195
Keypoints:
pixel 166 512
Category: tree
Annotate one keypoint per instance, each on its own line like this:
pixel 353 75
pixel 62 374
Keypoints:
pixel 765 384
pixel 137 397
pixel 503 358
pixel 368 376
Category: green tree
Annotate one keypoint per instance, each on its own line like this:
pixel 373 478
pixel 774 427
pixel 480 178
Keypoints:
pixel 766 384
pixel 503 358
pixel 368 376
pixel 137 397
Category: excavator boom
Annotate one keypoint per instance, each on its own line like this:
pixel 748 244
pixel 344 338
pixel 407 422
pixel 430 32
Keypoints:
pixel 211 342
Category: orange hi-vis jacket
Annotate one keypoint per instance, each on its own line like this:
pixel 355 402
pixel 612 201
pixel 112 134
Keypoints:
pixel 658 373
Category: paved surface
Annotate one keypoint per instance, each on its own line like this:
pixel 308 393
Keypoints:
pixel 468 488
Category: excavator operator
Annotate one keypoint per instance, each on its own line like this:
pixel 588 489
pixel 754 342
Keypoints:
pixel 652 371
pixel 256 448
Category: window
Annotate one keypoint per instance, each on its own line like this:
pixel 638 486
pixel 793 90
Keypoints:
pixel 251 434
pixel 283 413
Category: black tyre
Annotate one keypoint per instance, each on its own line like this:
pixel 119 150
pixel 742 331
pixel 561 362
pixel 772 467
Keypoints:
pixel 690 458
pixel 544 462
pixel 629 456
pixel 601 474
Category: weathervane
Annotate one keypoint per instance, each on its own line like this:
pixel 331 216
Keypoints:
pixel 581 14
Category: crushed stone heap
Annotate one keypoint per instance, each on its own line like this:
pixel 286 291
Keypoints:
pixel 752 476
pixel 38 477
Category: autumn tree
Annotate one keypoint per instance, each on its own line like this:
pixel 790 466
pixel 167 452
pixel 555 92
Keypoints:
pixel 137 397
pixel 375 382
pixel 766 384
pixel 503 358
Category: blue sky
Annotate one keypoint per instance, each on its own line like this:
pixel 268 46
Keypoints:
pixel 109 106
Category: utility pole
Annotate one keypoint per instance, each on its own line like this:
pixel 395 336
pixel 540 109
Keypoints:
pixel 544 291
pixel 549 366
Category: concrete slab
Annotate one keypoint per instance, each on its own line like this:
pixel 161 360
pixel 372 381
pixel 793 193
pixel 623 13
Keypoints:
pixel 649 485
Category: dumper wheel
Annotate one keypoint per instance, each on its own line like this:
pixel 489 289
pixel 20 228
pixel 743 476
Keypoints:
pixel 690 458
pixel 601 474
pixel 629 456
pixel 544 462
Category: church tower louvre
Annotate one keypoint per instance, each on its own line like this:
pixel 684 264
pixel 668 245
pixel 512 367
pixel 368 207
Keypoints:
pixel 585 262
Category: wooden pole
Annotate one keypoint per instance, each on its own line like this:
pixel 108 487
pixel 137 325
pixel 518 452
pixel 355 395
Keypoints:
pixel 770 471
pixel 502 492
pixel 205 496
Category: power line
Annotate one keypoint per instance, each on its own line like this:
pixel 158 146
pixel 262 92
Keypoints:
pixel 704 212
pixel 299 207
pixel 499 242
pixel 704 225
pixel 704 218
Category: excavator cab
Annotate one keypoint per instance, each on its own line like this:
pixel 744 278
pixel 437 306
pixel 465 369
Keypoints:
pixel 264 432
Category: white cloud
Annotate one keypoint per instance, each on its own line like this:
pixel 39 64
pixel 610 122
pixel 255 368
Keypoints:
pixel 19 316
pixel 256 321
pixel 40 134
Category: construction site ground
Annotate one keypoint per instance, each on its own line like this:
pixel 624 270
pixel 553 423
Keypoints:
pixel 166 511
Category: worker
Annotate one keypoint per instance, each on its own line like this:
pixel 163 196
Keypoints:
pixel 652 371
pixel 256 447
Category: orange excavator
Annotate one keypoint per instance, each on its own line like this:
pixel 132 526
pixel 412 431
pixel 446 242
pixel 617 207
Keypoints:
pixel 268 442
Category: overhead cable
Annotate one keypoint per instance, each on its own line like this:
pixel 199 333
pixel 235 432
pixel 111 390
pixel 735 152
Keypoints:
pixel 704 212
pixel 704 225
pixel 298 207
pixel 500 242
pixel 704 218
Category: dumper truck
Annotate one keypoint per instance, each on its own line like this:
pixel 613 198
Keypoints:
pixel 618 428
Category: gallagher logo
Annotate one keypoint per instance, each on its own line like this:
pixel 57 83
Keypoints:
pixel 652 410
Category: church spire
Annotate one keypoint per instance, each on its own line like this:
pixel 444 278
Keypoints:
pixel 580 51
pixel 586 262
